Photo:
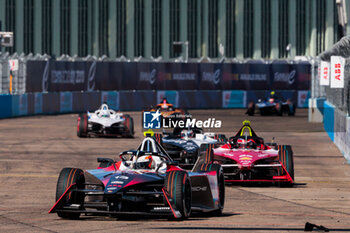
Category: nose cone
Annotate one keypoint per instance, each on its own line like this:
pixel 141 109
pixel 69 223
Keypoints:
pixel 120 181
pixel 245 160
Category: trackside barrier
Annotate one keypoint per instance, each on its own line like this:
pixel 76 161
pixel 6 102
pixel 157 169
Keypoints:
pixel 6 106
pixel 337 125
pixel 74 102
pixel 328 120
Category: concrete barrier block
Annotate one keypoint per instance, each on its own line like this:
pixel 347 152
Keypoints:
pixel 66 102
pixel 5 106
pixel 328 120
pixel 234 99
pixel 111 98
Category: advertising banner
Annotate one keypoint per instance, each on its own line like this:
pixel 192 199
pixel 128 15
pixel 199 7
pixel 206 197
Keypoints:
pixel 303 99
pixel 247 76
pixel 66 102
pixel 38 103
pixel 61 76
pixel 337 72
pixel 111 98
pixel 325 70
pixel 234 99
pixel 177 76
pixel 210 76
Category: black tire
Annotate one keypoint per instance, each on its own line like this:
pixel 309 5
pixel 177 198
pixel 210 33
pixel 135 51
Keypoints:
pixel 69 176
pixel 279 109
pixel 205 154
pixel 82 129
pixel 129 125
pixel 159 138
pixel 263 112
pixel 291 110
pixel 251 109
pixel 285 155
pixel 205 167
pixel 178 185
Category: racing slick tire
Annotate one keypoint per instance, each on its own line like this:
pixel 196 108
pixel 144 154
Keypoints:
pixel 279 109
pixel 178 185
pixel 206 153
pixel 67 177
pixel 82 130
pixel 285 155
pixel 159 138
pixel 251 109
pixel 205 167
pixel 291 110
pixel 221 138
pixel 129 126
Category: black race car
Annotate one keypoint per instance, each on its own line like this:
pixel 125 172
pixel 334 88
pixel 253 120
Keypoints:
pixel 271 106
pixel 183 144
pixel 145 182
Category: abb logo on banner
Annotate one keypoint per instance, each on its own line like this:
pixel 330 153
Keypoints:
pixel 324 70
pixel 325 73
pixel 337 72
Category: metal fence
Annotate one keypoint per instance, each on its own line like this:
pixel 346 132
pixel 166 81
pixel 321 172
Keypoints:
pixel 12 82
pixel 339 97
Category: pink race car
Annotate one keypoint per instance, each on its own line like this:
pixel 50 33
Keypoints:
pixel 246 158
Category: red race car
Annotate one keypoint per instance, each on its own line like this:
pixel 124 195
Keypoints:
pixel 246 158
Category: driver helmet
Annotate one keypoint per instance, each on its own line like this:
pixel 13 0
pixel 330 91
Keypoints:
pixel 251 144
pixel 241 143
pixel 272 97
pixel 164 104
pixel 104 111
pixel 150 162
pixel 187 133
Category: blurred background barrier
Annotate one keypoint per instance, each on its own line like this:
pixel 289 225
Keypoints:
pixel 59 76
pixel 75 102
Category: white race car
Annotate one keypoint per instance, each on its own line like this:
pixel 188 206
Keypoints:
pixel 106 122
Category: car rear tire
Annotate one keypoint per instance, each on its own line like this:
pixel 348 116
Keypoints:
pixel 82 130
pixel 251 109
pixel 279 109
pixel 205 155
pixel 129 125
pixel 178 185
pixel 291 110
pixel 159 138
pixel 285 155
pixel 67 177
pixel 221 138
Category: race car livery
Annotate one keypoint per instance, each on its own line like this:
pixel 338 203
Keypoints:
pixel 271 106
pixel 145 182
pixel 246 158
pixel 183 144
pixel 105 122
pixel 168 110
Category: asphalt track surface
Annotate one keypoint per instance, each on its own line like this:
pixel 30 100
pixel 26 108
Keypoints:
pixel 34 149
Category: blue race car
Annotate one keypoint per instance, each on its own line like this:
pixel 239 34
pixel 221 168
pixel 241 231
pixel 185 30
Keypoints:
pixel 271 106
